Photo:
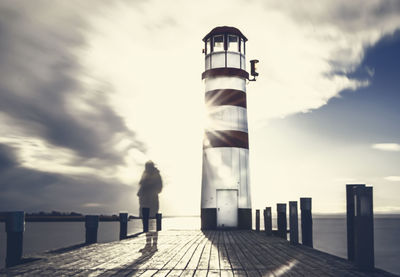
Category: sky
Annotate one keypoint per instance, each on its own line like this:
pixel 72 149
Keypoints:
pixel 91 90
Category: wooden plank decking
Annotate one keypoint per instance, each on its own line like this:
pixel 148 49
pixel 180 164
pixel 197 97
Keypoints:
pixel 191 253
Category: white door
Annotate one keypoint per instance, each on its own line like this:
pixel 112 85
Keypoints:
pixel 227 208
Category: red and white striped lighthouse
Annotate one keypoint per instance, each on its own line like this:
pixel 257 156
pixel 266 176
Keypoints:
pixel 225 194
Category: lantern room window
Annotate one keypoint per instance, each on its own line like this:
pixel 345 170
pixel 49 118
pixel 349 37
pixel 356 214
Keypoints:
pixel 208 46
pixel 218 43
pixel 242 47
pixel 233 43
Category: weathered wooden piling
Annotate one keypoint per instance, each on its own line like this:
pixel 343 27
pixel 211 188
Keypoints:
pixel 123 225
pixel 15 227
pixel 350 214
pixel 158 222
pixel 145 219
pixel 91 225
pixel 293 221
pixel 364 229
pixel 268 221
pixel 282 220
pixel 258 220
pixel 306 222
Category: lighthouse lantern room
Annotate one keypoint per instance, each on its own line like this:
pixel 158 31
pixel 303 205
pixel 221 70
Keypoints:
pixel 225 194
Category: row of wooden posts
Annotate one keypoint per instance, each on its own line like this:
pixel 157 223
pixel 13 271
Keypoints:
pixel 359 217
pixel 306 221
pixel 359 213
pixel 15 227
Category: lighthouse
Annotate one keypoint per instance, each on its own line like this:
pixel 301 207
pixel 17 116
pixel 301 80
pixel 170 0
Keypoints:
pixel 225 192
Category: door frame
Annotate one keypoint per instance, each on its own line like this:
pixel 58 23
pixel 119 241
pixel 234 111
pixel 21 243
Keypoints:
pixel 237 208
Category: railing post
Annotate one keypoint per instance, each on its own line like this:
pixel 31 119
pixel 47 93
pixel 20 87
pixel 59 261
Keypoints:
pixel 123 225
pixel 158 222
pixel 364 229
pixel 268 221
pixel 15 227
pixel 350 213
pixel 258 220
pixel 91 225
pixel 306 222
pixel 145 219
pixel 282 220
pixel 293 220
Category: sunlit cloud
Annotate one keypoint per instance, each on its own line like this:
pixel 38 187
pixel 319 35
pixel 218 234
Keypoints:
pixel 392 178
pixel 116 74
pixel 92 205
pixel 393 147
pixel 38 154
pixel 387 209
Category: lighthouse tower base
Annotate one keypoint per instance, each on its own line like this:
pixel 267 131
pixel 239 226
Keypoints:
pixel 209 219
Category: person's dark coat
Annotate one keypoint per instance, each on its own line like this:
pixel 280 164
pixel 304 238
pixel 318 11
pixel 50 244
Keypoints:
pixel 150 186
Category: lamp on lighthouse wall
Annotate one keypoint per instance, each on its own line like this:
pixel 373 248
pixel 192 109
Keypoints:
pixel 253 69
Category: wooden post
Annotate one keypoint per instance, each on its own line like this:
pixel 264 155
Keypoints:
pixel 306 222
pixel 91 225
pixel 350 193
pixel 364 229
pixel 258 220
pixel 294 223
pixel 282 220
pixel 123 225
pixel 15 227
pixel 158 222
pixel 145 219
pixel 268 221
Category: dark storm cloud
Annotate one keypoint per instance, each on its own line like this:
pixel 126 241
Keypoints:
pixel 42 96
pixel 40 87
pixel 33 190
pixel 7 157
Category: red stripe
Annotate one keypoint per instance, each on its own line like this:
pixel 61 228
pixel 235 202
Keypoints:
pixel 225 71
pixel 226 139
pixel 220 97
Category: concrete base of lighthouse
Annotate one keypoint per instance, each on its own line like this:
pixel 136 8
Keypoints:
pixel 209 219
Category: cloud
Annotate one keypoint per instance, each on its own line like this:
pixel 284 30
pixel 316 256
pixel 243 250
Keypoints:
pixel 393 147
pixel 93 205
pixel 46 93
pixel 387 209
pixel 33 190
pixel 82 84
pixel 7 157
pixel 63 144
pixel 307 51
pixel 370 71
pixel 393 178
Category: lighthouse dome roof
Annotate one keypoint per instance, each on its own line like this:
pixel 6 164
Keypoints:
pixel 224 30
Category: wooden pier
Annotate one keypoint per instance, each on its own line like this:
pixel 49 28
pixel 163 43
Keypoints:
pixel 190 253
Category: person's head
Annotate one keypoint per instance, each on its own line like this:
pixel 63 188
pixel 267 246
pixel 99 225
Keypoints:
pixel 149 166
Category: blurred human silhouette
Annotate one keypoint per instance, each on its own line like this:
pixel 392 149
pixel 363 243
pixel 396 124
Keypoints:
pixel 150 186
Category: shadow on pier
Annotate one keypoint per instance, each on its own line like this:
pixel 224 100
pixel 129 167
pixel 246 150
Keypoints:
pixel 250 253
pixel 191 253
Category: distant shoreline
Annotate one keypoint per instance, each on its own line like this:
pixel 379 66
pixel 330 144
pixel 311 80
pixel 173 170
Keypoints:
pixel 65 218
pixel 115 218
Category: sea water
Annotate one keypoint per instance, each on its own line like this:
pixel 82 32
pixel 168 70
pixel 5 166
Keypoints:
pixel 329 236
